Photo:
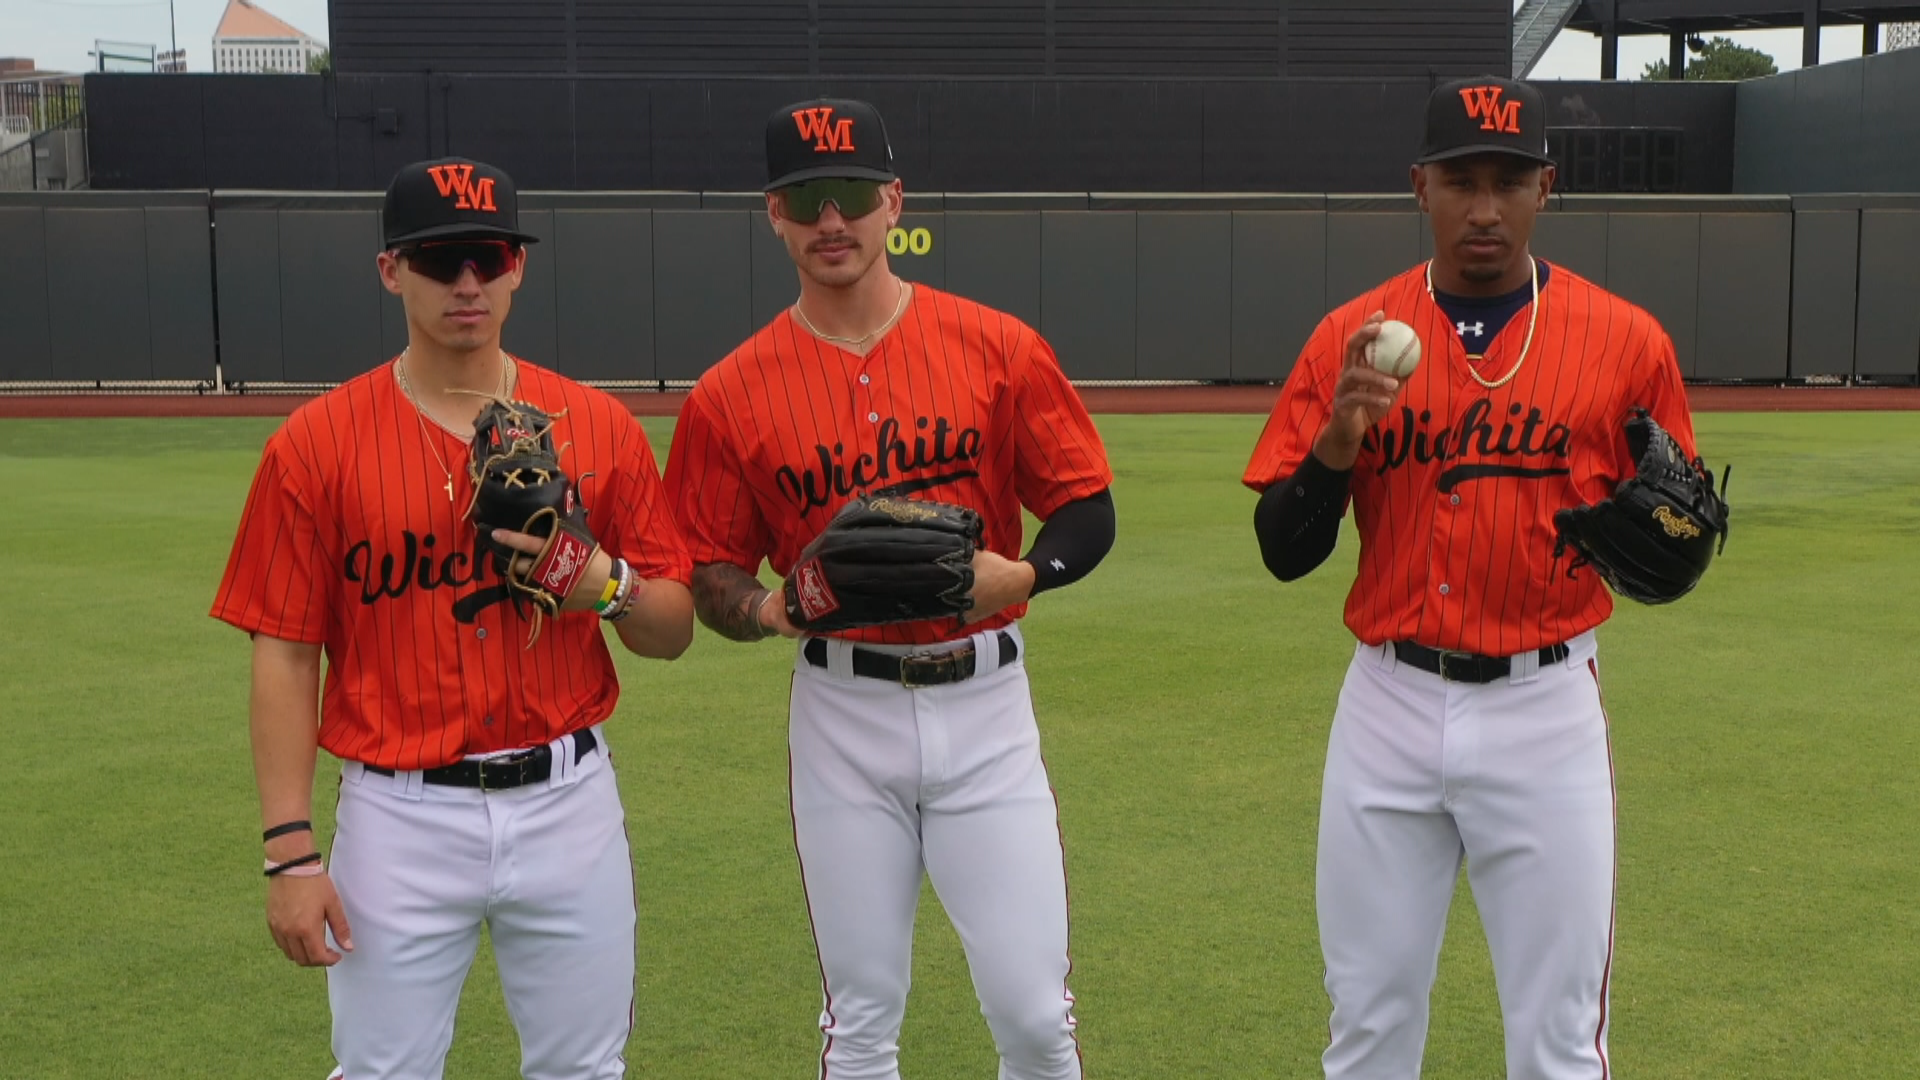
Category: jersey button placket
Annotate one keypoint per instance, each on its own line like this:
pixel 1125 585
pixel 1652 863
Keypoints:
pixel 1437 562
pixel 865 393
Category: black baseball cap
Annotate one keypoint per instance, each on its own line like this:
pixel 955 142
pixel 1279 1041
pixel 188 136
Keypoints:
pixel 1485 115
pixel 452 199
pixel 836 137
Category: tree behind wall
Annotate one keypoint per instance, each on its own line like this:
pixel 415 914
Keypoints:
pixel 1719 60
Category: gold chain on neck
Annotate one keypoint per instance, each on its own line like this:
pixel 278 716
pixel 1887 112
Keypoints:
pixel 1533 315
pixel 864 338
pixel 420 411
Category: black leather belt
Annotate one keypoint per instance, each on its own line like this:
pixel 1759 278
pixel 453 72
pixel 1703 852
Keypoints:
pixel 916 669
pixel 1467 667
pixel 506 771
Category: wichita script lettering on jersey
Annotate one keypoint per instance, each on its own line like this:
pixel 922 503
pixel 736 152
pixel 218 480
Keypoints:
pixel 414 568
pixel 831 478
pixel 1405 436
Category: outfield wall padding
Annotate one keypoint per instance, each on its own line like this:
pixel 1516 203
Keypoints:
pixel 657 286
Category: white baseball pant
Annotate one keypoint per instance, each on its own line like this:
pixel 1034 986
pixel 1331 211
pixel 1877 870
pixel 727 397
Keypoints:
pixel 888 782
pixel 1516 778
pixel 420 867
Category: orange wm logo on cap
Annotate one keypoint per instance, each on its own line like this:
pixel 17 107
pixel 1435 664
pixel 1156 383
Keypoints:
pixel 829 135
pixel 1484 105
pixel 456 182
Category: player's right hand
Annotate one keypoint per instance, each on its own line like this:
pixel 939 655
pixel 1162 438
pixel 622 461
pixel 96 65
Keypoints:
pixel 1361 398
pixel 300 911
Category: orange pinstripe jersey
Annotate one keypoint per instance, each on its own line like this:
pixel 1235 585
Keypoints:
pixel 350 541
pixel 1454 491
pixel 958 403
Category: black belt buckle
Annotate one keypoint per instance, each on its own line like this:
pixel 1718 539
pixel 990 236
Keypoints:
pixel 511 771
pixel 1468 669
pixel 929 669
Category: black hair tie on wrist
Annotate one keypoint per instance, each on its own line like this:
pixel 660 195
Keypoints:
pixel 309 857
pixel 283 830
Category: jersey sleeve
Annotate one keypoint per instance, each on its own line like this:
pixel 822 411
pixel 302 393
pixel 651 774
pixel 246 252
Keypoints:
pixel 1058 455
pixel 1665 394
pixel 275 581
pixel 1304 406
pixel 707 486
pixel 1653 383
pixel 645 532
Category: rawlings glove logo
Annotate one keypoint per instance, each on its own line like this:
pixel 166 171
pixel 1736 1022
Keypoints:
pixel 810 588
pixel 904 511
pixel 569 560
pixel 1678 526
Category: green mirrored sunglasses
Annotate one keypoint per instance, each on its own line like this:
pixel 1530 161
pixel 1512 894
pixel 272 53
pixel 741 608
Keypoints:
pixel 805 201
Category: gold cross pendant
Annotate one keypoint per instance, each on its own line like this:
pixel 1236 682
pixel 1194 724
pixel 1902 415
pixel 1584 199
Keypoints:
pixel 449 491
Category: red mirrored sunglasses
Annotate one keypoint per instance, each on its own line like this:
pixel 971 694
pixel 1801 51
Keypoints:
pixel 444 262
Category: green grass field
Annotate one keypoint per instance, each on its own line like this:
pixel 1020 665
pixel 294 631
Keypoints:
pixel 1764 740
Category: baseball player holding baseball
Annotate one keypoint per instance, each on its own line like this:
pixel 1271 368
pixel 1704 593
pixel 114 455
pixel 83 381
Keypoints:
pixel 476 785
pixel 1470 726
pixel 913 745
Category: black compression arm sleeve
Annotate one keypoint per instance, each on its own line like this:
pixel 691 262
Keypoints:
pixel 1298 519
pixel 1072 542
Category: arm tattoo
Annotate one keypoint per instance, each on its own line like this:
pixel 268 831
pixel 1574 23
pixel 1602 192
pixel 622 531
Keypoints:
pixel 728 600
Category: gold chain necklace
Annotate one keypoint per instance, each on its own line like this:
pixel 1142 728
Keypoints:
pixel 420 414
pixel 869 335
pixel 1533 315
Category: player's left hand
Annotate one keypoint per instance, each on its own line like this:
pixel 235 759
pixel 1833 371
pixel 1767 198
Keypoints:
pixel 998 584
pixel 586 592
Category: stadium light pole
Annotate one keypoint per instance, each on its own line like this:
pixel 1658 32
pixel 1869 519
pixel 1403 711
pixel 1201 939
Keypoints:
pixel 173 37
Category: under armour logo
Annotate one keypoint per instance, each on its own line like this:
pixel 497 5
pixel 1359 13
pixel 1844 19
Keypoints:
pixel 1057 564
pixel 1476 329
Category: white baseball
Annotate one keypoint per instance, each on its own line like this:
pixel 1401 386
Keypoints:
pixel 1396 351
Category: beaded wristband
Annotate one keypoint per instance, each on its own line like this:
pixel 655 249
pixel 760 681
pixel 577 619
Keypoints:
pixel 613 589
pixel 621 582
pixel 625 607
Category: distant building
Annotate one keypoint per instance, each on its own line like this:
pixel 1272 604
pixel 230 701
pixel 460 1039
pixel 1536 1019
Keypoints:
pixel 32 99
pixel 252 40
pixel 16 67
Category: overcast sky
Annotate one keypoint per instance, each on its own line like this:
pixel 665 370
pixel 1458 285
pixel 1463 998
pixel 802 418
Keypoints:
pixel 59 34
pixel 1577 56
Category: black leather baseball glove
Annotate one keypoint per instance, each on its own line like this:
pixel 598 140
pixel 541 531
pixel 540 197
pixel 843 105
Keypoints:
pixel 518 484
pixel 1653 539
pixel 885 559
